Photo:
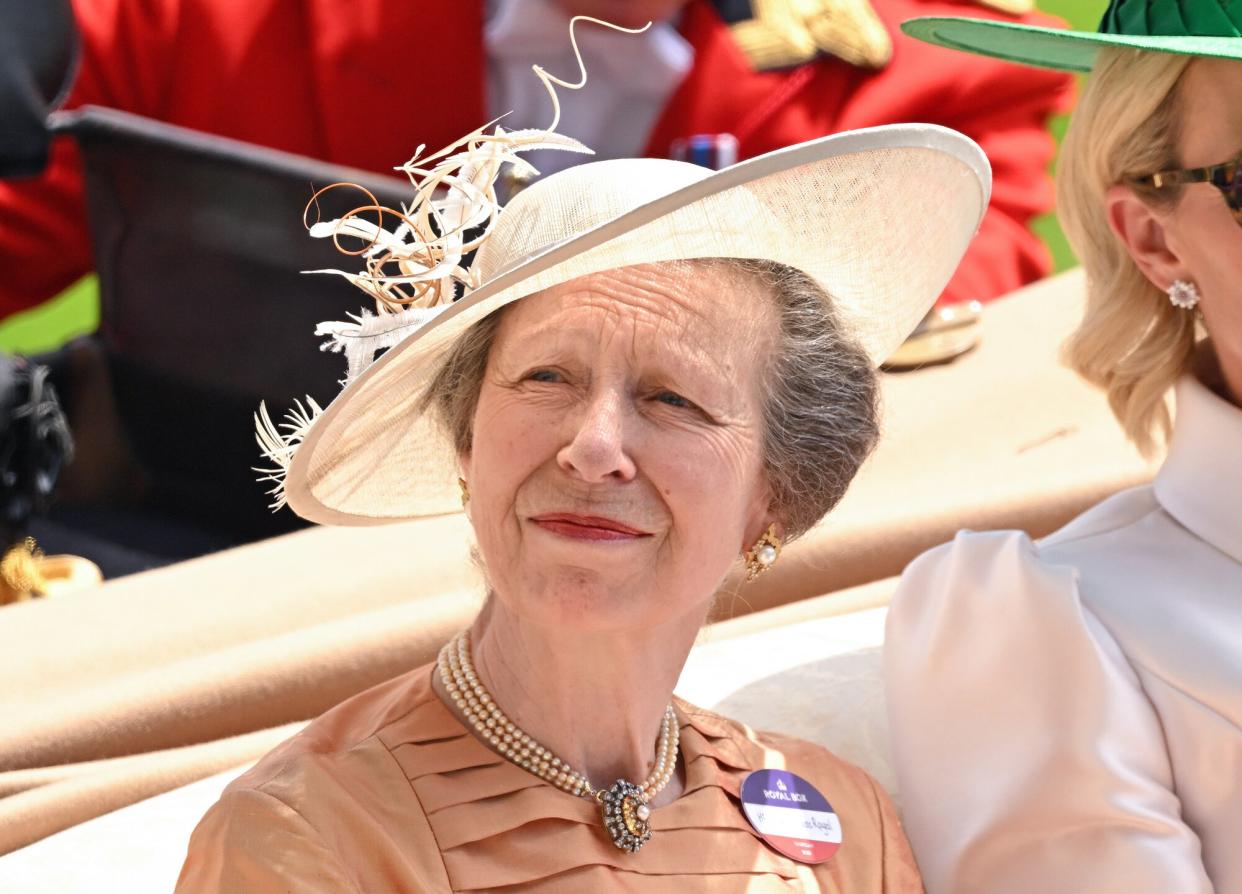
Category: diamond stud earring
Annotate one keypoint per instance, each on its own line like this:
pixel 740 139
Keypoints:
pixel 1184 294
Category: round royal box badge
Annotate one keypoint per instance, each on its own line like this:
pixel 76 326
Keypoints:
pixel 791 815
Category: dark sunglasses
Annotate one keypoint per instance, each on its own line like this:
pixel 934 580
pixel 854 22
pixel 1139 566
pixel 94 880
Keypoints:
pixel 1224 177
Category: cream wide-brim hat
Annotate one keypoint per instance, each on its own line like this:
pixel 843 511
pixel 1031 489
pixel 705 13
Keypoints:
pixel 879 218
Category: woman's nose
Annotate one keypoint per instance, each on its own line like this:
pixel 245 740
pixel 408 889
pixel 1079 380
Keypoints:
pixel 597 450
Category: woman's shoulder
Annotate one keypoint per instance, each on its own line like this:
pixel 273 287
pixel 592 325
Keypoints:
pixel 750 744
pixel 997 612
pixel 1008 565
pixel 300 818
pixel 969 557
pixel 961 585
pixel 353 737
pixel 863 808
pixel 740 750
pixel 1126 578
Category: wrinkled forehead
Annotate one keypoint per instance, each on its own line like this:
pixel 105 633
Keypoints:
pixel 687 304
pixel 1211 126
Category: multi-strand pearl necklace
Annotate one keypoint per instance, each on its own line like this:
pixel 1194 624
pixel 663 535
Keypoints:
pixel 626 813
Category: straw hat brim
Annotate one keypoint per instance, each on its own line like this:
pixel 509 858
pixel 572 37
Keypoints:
pixel 1054 47
pixel 879 217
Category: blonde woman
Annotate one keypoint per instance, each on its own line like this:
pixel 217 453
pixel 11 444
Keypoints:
pixel 1067 714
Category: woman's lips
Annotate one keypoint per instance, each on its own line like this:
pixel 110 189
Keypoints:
pixel 586 527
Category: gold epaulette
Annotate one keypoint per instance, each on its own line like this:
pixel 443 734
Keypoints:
pixel 785 33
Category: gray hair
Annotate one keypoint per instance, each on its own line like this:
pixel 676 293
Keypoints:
pixel 821 394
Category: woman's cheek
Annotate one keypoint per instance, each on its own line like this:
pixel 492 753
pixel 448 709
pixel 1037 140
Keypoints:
pixel 512 422
pixel 695 481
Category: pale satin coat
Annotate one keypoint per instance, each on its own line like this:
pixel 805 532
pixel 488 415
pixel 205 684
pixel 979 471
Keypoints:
pixel 1067 715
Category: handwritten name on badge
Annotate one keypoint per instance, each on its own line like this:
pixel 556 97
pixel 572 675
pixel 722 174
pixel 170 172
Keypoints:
pixel 791 815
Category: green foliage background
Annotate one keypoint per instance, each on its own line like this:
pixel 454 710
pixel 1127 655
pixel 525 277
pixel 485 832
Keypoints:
pixel 76 310
pixel 1083 15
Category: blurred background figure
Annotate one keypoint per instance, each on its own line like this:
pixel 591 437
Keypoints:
pixel 38 48
pixel 362 85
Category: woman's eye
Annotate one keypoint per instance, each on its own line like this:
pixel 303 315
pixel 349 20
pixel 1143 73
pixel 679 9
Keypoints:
pixel 673 399
pixel 544 375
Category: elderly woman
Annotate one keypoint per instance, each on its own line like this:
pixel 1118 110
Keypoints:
pixel 654 370
pixel 1078 701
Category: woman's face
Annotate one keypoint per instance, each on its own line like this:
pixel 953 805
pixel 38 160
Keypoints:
pixel 616 470
pixel 1201 232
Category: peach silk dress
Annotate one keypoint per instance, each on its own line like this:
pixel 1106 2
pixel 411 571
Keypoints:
pixel 389 792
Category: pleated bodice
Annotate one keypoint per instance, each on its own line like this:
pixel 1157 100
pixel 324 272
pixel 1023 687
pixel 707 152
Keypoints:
pixel 389 791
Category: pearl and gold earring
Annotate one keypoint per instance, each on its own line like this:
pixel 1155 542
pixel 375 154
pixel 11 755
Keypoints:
pixel 1184 294
pixel 465 492
pixel 763 555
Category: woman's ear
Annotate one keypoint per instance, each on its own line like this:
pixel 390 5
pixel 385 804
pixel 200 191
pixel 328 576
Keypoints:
pixel 760 526
pixel 761 514
pixel 1143 231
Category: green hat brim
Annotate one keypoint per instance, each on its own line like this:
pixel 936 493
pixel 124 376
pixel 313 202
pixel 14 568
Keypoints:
pixel 1054 47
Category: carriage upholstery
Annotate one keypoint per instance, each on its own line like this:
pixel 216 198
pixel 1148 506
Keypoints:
pixel 168 681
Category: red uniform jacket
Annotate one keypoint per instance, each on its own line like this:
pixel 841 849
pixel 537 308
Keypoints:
pixel 364 82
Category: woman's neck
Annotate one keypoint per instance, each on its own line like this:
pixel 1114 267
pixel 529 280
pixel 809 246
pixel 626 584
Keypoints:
pixel 1232 387
pixel 1220 374
pixel 596 700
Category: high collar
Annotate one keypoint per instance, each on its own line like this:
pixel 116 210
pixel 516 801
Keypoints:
pixel 1200 483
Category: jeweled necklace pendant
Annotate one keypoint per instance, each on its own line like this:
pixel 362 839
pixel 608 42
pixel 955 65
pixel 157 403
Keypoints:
pixel 626 815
